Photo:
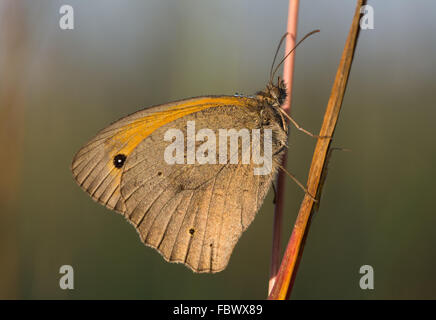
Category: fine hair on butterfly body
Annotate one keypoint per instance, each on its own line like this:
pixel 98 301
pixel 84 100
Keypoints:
pixel 190 213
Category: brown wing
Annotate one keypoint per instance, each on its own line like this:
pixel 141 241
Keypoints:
pixel 93 167
pixel 193 214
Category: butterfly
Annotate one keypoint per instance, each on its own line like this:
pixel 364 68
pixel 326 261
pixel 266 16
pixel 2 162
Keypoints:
pixel 190 213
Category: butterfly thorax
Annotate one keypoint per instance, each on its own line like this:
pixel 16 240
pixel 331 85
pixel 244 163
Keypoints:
pixel 272 97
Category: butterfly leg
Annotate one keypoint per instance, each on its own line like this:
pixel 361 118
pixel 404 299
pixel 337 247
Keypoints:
pixel 290 175
pixel 300 128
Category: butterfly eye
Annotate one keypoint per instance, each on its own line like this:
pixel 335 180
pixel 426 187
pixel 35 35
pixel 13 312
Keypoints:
pixel 119 160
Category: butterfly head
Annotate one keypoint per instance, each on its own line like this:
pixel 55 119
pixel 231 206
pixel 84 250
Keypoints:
pixel 274 94
pixel 272 98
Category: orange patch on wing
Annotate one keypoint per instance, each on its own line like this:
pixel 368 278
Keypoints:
pixel 126 140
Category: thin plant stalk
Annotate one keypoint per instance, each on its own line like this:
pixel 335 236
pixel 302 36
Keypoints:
pixel 288 75
pixel 288 269
pixel 14 33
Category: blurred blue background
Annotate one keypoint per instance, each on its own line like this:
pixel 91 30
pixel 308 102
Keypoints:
pixel 59 87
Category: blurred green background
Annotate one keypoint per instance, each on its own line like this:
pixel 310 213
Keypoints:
pixel 59 87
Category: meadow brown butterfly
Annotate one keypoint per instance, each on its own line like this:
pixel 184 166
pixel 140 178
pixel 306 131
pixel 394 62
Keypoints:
pixel 191 213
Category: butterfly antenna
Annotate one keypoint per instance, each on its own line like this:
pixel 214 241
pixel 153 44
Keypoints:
pixel 295 47
pixel 275 56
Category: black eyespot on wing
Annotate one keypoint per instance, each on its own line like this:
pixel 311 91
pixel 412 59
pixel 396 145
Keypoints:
pixel 192 231
pixel 119 160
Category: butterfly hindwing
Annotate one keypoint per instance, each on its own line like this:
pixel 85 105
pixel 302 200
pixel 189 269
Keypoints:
pixel 193 214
